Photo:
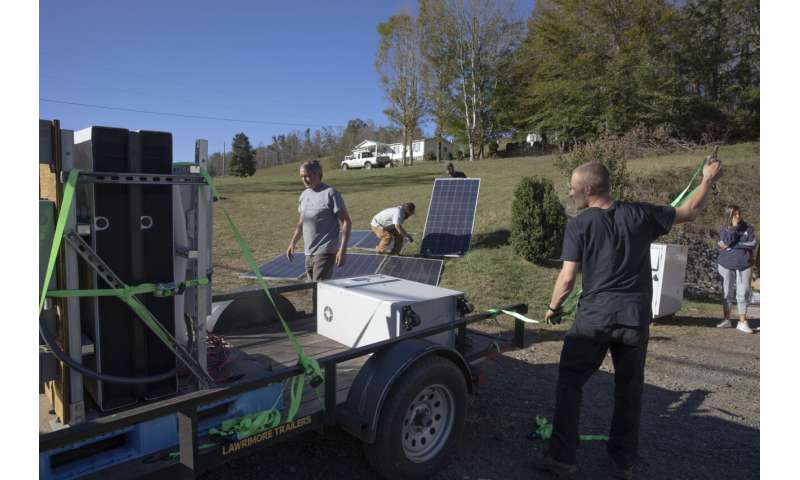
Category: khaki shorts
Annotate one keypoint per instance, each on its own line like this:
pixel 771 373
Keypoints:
pixel 320 266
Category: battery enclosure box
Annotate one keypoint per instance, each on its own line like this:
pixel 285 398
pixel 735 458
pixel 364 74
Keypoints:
pixel 668 270
pixel 360 311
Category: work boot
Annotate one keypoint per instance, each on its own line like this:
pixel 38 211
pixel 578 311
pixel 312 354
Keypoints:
pixel 618 472
pixel 561 471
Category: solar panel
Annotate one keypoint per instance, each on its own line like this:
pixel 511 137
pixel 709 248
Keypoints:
pixel 423 270
pixel 451 216
pixel 357 236
pixel 371 241
pixel 279 268
pixel 359 264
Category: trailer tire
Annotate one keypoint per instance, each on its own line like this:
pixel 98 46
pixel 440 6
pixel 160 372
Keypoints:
pixel 420 425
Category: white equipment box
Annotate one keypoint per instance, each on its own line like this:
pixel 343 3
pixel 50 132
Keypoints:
pixel 360 311
pixel 668 269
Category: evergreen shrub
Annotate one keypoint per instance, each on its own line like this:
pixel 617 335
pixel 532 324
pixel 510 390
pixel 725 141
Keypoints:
pixel 537 220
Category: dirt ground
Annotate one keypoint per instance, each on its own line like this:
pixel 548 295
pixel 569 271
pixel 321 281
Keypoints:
pixel 700 416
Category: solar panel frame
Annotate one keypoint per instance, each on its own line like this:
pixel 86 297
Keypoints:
pixel 428 222
pixel 370 242
pixel 435 263
pixel 355 265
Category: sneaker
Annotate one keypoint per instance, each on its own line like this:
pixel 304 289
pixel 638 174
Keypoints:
pixel 744 327
pixel 557 469
pixel 624 473
pixel 725 324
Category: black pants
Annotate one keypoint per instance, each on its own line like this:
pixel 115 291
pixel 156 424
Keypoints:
pixel 585 347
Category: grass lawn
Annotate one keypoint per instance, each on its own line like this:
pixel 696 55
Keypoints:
pixel 265 209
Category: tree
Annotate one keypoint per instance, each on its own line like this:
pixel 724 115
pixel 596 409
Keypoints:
pixel 439 67
pixel 607 149
pixel 483 34
pixel 399 63
pixel 595 66
pixel 243 158
pixel 722 78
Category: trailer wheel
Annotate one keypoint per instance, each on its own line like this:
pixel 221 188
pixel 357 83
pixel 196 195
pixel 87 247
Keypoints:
pixel 421 423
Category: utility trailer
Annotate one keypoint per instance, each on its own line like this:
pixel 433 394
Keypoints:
pixel 391 395
pixel 403 394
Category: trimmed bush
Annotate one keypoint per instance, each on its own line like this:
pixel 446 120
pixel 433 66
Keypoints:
pixel 537 220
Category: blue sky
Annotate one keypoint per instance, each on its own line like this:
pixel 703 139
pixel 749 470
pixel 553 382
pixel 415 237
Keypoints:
pixel 306 63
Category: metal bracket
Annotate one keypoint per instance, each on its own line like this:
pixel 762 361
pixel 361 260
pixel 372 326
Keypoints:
pixel 99 266
pixel 137 178
pixel 187 253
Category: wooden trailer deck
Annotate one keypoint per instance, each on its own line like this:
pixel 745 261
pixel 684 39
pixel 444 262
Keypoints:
pixel 270 346
pixel 260 349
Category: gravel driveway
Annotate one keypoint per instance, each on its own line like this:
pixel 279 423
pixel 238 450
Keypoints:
pixel 700 418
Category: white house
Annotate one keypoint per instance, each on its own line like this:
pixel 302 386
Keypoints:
pixel 533 138
pixel 371 148
pixel 421 149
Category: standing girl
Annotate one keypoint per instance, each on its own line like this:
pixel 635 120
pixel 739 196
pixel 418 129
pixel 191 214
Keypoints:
pixel 735 265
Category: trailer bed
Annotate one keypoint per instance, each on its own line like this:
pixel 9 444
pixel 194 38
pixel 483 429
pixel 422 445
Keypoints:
pixel 260 355
pixel 268 347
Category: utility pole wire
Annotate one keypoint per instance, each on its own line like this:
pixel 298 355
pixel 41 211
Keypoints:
pixel 186 115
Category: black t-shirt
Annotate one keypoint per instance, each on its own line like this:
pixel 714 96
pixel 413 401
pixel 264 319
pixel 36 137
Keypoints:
pixel 457 174
pixel 613 248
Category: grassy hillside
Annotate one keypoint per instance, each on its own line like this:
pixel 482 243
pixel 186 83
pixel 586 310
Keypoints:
pixel 265 209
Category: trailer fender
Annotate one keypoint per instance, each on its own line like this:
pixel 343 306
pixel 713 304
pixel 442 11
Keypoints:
pixel 368 392
pixel 250 310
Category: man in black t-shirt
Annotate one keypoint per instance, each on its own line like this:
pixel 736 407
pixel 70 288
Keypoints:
pixel 453 173
pixel 610 240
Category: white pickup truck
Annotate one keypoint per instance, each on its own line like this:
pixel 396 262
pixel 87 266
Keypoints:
pixel 365 159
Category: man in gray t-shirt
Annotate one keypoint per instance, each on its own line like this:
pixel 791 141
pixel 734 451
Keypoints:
pixel 322 215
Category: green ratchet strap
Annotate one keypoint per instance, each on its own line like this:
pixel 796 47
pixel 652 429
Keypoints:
pixel 310 365
pixel 495 312
pixel 685 194
pixel 157 289
pixel 66 203
pixel 544 430
pixel 249 425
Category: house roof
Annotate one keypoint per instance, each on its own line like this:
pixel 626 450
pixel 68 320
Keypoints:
pixel 370 143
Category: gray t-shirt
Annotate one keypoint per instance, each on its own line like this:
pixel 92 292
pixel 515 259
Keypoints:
pixel 390 216
pixel 319 207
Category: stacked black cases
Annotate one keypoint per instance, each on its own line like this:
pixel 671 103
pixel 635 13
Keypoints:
pixel 155 226
pixel 132 233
